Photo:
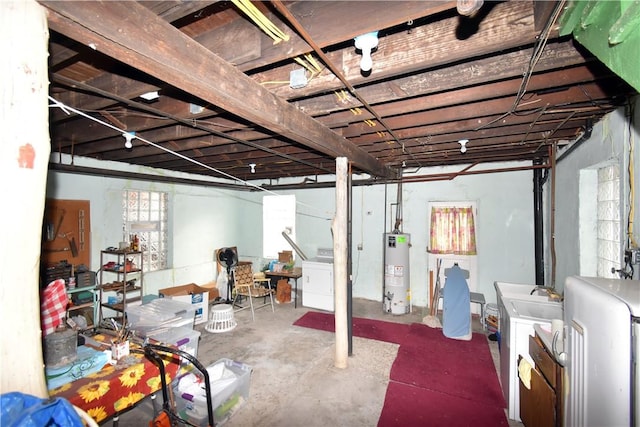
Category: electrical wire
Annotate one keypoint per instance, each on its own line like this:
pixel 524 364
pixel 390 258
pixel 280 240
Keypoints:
pixel 310 64
pixel 537 53
pixel 538 49
pixel 336 72
pixel 67 109
pixel 631 171
pixel 193 123
pixel 261 21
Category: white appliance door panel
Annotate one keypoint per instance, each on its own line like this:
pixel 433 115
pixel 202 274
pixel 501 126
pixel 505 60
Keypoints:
pixel 505 349
pixel 599 348
pixel 318 281
pixel 317 287
pixel 635 389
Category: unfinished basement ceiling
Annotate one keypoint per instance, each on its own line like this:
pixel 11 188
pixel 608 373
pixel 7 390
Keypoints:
pixel 501 78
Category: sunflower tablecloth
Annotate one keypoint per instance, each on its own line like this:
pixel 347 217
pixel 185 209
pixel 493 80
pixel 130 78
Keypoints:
pixel 116 388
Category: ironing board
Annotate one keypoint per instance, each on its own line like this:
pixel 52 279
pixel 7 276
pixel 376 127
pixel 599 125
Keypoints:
pixel 456 309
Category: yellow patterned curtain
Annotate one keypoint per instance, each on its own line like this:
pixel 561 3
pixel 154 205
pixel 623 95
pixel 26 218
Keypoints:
pixel 452 231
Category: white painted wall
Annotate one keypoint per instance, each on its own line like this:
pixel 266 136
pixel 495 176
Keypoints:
pixel 504 227
pixel 203 219
pixel 609 142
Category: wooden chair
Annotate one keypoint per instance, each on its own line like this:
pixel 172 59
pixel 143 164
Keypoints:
pixel 249 287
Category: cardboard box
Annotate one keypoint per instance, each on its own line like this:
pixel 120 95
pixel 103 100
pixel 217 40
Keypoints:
pixel 193 294
pixel 212 287
pixel 285 256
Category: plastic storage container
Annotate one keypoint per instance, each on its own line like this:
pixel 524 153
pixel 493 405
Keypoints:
pixel 186 339
pixel 159 315
pixel 229 391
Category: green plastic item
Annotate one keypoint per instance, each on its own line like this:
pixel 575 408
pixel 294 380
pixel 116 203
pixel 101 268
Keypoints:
pixel 221 411
pixel 610 30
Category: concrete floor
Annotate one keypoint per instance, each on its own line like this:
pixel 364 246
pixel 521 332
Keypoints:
pixel 294 381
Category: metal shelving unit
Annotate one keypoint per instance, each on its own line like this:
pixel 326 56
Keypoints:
pixel 76 308
pixel 120 278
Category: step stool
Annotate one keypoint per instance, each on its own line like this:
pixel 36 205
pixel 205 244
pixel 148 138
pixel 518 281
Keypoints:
pixel 478 298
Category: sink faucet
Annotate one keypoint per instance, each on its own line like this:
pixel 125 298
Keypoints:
pixel 551 293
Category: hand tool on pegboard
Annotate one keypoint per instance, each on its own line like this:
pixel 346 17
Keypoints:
pixel 57 229
pixel 52 230
pixel 72 243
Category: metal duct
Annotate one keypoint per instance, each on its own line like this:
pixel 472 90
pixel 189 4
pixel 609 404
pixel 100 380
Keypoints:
pixel 295 247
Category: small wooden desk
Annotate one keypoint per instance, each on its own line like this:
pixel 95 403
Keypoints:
pixel 295 274
pixel 115 389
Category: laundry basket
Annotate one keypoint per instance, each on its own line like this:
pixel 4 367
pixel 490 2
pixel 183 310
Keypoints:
pixel 492 317
pixel 221 319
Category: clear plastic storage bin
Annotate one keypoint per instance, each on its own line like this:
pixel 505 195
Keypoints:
pixel 159 315
pixel 229 391
pixel 184 338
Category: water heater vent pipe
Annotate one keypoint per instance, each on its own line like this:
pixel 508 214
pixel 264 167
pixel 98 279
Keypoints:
pixel 294 246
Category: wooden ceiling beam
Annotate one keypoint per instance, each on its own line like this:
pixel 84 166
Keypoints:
pixel 325 23
pixel 464 128
pixel 508 25
pixel 502 88
pixel 587 93
pixel 128 88
pixel 507 88
pixel 172 10
pixel 134 35
pixel 214 40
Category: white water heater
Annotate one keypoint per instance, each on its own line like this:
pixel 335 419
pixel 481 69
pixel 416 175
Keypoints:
pixel 397 293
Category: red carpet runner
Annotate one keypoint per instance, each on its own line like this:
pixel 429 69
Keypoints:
pixel 364 328
pixel 434 381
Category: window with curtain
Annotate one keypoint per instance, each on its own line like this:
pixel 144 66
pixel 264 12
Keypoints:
pixel 453 230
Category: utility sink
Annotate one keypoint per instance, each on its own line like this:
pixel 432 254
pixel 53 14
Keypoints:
pixel 536 309
pixel 520 291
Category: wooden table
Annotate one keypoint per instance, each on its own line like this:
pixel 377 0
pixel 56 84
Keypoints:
pixel 115 389
pixel 295 274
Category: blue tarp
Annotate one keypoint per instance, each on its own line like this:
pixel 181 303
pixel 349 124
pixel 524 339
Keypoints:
pixel 23 410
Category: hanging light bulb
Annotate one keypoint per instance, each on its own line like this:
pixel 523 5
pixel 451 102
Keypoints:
pixel 463 145
pixel 366 43
pixel 128 136
pixel 150 96
pixel 469 7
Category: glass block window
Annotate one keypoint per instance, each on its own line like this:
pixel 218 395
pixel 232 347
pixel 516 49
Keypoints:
pixel 145 215
pixel 608 221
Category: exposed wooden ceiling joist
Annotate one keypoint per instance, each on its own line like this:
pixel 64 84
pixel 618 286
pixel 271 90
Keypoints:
pixel 114 28
pixel 226 98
